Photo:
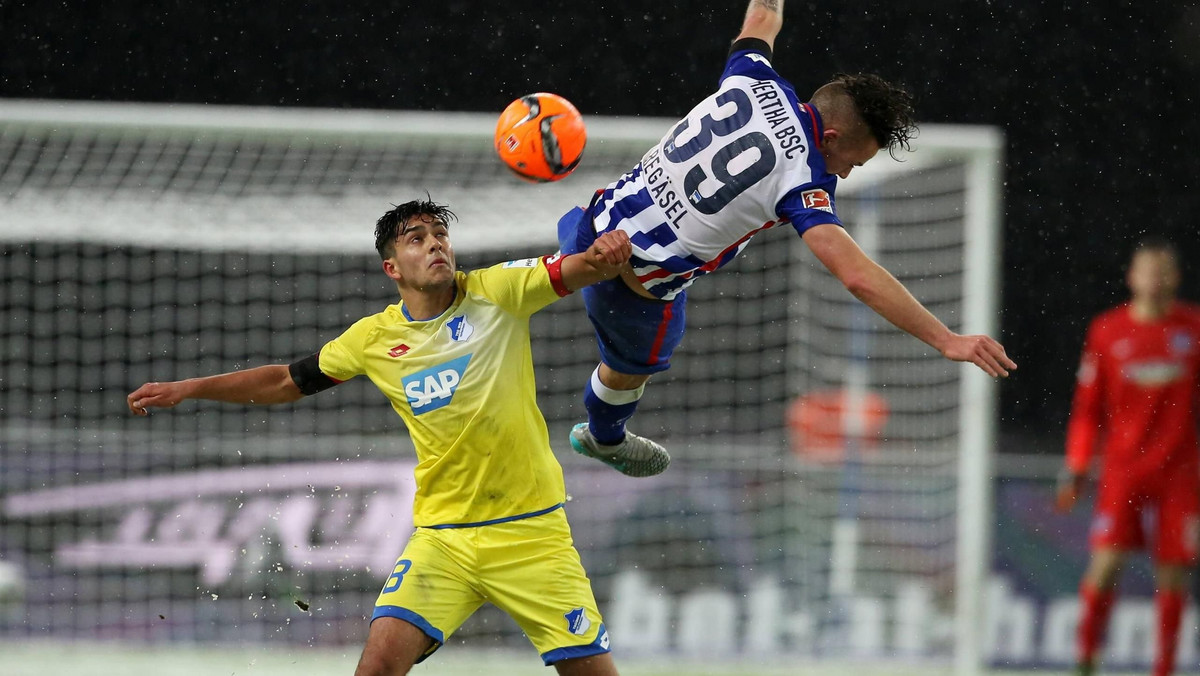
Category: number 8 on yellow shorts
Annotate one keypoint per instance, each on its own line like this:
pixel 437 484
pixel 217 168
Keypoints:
pixel 527 567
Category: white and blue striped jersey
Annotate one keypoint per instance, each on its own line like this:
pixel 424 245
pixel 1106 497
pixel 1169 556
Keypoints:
pixel 745 159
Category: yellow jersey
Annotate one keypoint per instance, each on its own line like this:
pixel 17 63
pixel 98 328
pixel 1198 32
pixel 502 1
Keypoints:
pixel 463 383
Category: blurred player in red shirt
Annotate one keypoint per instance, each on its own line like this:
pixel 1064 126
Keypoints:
pixel 1137 398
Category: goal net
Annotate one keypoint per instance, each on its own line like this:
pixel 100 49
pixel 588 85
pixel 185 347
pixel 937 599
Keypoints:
pixel 829 494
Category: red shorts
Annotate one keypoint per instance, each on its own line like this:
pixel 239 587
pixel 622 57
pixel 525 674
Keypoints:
pixel 1167 505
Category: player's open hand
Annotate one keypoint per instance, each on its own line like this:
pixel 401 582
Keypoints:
pixel 1066 493
pixel 157 395
pixel 982 351
pixel 609 252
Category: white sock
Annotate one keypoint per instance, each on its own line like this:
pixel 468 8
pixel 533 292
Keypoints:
pixel 615 397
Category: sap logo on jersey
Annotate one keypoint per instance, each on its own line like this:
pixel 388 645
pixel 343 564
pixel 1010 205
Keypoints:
pixel 434 387
pixel 817 199
pixel 460 329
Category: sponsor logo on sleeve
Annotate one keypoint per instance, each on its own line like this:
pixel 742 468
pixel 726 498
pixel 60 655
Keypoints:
pixel 817 199
pixel 754 56
pixel 434 387
pixel 522 263
pixel 398 351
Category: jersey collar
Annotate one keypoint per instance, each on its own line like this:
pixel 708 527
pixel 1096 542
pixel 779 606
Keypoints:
pixel 818 125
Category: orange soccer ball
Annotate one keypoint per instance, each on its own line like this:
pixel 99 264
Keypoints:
pixel 541 137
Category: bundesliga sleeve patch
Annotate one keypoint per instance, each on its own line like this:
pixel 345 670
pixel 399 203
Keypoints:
pixel 817 199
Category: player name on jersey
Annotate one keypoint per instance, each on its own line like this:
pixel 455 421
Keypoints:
pixel 660 188
pixel 778 113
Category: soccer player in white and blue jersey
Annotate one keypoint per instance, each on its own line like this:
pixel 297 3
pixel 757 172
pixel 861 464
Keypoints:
pixel 750 157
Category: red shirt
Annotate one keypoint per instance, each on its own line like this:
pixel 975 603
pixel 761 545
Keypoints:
pixel 1138 393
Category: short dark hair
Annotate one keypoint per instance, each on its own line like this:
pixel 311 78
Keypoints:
pixel 387 228
pixel 887 109
pixel 1155 243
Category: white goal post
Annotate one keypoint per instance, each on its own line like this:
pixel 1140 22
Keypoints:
pixel 147 242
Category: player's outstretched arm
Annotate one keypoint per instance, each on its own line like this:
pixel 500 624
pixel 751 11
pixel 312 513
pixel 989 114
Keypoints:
pixel 763 20
pixel 604 259
pixel 884 294
pixel 262 385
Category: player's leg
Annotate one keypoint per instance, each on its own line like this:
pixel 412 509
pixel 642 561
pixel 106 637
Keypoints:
pixel 635 342
pixel 1116 529
pixel 1096 595
pixel 559 613
pixel 596 665
pixel 1175 553
pixel 1170 598
pixel 611 398
pixel 410 622
pixel 636 337
pixel 393 647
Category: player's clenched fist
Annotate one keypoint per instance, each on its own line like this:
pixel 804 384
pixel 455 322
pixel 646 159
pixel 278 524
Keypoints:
pixel 610 251
pixel 603 260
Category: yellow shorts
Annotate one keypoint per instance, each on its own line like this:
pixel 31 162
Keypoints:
pixel 527 567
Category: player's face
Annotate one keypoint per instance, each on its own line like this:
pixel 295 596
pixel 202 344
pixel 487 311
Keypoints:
pixel 843 152
pixel 1153 275
pixel 424 258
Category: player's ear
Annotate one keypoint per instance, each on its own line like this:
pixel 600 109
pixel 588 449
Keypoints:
pixel 390 269
pixel 830 136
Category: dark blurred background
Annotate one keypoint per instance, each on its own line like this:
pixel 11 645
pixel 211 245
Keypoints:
pixel 1097 100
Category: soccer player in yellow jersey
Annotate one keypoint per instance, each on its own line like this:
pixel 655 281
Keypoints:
pixel 454 359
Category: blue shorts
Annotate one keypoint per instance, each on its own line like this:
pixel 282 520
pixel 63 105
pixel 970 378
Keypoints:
pixel 636 335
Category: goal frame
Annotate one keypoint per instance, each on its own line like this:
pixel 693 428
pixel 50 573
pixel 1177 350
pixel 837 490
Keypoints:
pixel 980 147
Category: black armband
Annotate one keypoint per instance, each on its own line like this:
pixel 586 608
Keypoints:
pixel 751 45
pixel 307 375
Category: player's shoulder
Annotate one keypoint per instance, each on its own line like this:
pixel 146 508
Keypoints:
pixel 481 279
pixel 498 281
pixel 363 331
pixel 388 316
pixel 1188 311
pixel 1112 319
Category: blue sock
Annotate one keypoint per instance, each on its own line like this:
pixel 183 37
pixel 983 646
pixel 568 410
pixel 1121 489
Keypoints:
pixel 609 409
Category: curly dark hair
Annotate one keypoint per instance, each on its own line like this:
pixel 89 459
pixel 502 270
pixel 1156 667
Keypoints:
pixel 886 108
pixel 387 228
